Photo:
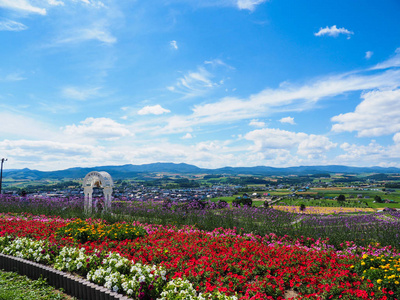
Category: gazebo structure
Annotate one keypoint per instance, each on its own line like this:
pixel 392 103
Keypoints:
pixel 98 179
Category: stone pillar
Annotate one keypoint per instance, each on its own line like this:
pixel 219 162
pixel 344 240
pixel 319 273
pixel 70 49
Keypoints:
pixel 107 198
pixel 88 190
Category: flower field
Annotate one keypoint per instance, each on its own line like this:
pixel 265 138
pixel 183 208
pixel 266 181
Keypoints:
pixel 362 228
pixel 322 210
pixel 149 261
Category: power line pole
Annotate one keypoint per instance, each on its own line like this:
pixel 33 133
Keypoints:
pixel 1 174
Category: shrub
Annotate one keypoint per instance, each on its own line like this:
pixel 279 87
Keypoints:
pixel 222 204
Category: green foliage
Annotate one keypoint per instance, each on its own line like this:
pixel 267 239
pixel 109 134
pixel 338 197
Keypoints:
pixel 243 201
pixel 182 289
pixel 378 199
pixel 17 287
pixel 341 198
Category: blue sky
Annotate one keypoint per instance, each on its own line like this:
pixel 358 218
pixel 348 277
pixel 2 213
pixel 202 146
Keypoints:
pixel 212 83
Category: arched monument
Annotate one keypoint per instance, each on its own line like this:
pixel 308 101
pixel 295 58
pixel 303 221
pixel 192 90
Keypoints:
pixel 99 179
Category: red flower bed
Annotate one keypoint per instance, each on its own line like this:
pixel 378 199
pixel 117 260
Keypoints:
pixel 231 264
pixel 249 268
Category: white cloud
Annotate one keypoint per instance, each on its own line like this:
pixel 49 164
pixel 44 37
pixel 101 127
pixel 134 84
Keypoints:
pixel 208 146
pixel 396 138
pixel 256 123
pixel 333 31
pixel 288 120
pixel 249 4
pixel 368 54
pixel 23 6
pixel 78 93
pixel 378 114
pixel 98 128
pixel 187 136
pixel 372 153
pixel 270 138
pixel 9 25
pixel 174 45
pixel 154 110
pixel 267 139
pixel 315 146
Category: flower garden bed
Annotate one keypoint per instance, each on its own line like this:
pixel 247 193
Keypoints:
pixel 148 261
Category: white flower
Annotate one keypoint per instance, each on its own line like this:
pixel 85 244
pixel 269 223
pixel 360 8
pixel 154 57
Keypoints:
pixel 108 285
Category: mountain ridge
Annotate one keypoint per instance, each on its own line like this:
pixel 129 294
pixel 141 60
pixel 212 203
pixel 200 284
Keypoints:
pixel 130 170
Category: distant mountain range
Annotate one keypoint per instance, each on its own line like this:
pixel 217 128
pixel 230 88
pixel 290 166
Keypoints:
pixel 131 171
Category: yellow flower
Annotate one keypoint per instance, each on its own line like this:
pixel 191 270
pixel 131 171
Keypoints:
pixel 379 281
pixel 396 282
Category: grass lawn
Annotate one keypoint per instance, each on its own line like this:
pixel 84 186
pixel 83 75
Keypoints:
pixel 16 287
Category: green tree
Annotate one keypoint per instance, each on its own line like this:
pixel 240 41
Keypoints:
pixel 378 199
pixel 341 198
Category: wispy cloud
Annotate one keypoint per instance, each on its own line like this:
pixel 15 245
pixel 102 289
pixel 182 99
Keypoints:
pixel 22 6
pixel 249 4
pixel 285 98
pixel 79 93
pixel 218 62
pixel 153 110
pixel 100 34
pixel 174 45
pixel 93 3
pixel 368 54
pixel 394 61
pixel 17 125
pixel 194 83
pixel 333 31
pixel 9 25
pixel 55 2
pixel 16 76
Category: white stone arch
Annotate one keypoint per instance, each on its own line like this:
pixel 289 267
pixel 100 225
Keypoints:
pixel 99 179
